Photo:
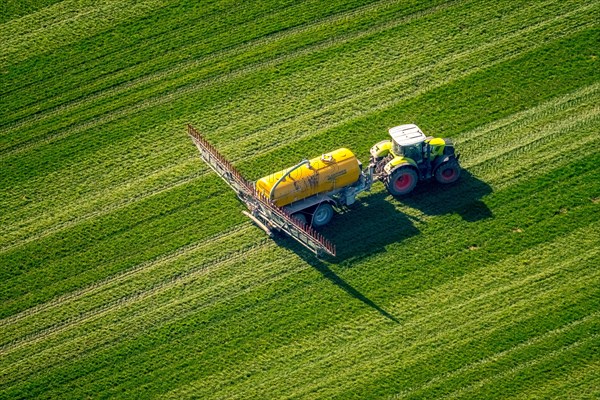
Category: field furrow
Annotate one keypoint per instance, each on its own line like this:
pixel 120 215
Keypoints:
pixel 535 340
pixel 127 269
pixel 509 280
pixel 47 31
pixel 73 336
pixel 102 295
pixel 186 66
pixel 504 174
pixel 590 342
pixel 193 82
pixel 304 128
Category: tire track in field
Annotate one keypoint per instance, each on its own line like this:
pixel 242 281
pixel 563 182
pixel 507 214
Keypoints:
pixel 448 293
pixel 584 381
pixel 579 278
pixel 392 88
pixel 382 69
pixel 119 278
pixel 523 135
pixel 531 341
pixel 134 322
pixel 19 38
pixel 308 50
pixel 527 364
pixel 182 123
pixel 526 117
pixel 481 154
pixel 180 145
pixel 83 291
pixel 324 128
pixel 213 81
pixel 453 336
pixel 190 65
pixel 136 297
pixel 523 118
pixel 545 160
pixel 486 292
pixel 128 317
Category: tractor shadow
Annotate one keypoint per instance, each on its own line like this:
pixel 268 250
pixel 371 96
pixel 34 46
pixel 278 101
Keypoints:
pixel 374 221
pixel 462 197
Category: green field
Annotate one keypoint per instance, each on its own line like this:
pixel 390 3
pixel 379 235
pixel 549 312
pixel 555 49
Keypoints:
pixel 127 269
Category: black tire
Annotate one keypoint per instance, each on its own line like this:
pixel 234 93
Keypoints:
pixel 322 215
pixel 301 217
pixel 402 181
pixel 447 172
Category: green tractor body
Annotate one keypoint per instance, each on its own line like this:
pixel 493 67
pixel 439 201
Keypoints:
pixel 410 156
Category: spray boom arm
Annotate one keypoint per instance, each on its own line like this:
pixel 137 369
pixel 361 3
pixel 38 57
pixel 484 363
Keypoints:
pixel 262 210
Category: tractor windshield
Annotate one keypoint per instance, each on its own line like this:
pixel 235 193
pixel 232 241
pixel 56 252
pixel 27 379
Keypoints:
pixel 413 151
pixel 397 149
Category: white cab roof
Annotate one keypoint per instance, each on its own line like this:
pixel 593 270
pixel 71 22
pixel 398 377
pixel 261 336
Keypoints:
pixel 406 135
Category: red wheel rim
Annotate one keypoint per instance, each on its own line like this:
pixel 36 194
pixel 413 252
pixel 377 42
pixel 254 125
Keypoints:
pixel 448 173
pixel 403 182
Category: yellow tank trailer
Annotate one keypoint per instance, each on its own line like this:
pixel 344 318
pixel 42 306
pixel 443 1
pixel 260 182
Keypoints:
pixel 330 172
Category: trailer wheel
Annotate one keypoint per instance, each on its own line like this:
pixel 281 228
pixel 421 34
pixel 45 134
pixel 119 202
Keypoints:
pixel 448 172
pixel 402 181
pixel 322 215
pixel 300 217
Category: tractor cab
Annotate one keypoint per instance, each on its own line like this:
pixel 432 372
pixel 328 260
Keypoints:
pixel 408 141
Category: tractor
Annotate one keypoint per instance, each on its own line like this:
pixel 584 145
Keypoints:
pixel 410 156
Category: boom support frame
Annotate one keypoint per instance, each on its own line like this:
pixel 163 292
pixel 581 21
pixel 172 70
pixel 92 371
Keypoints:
pixel 262 210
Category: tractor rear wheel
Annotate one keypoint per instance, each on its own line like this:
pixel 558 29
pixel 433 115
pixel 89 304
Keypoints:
pixel 402 181
pixel 448 172
pixel 322 215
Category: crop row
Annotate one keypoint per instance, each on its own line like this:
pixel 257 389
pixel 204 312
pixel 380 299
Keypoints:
pixel 195 46
pixel 507 272
pixel 470 150
pixel 141 274
pixel 127 268
pixel 30 253
pixel 525 211
pixel 166 141
pixel 171 172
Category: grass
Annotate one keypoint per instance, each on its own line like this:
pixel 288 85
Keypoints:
pixel 128 269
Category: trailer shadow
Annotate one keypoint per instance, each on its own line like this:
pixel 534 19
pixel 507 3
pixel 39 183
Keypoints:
pixel 463 197
pixel 368 226
pixel 324 269
pixel 374 222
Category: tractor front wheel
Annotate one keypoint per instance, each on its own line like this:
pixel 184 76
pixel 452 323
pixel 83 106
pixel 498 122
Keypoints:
pixel 402 181
pixel 448 172
pixel 322 215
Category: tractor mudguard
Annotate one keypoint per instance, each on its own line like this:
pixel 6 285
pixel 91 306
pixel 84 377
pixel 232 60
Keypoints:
pixel 381 149
pixel 398 162
pixel 437 147
pixel 440 160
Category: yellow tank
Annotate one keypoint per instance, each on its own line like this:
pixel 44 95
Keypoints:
pixel 323 174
